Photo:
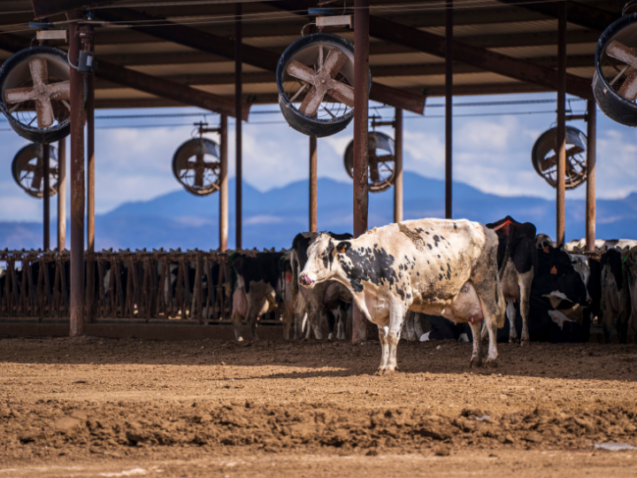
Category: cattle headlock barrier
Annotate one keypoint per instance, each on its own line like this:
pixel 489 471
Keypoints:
pixel 156 294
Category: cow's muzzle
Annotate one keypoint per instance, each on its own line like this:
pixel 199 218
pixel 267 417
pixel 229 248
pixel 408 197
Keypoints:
pixel 305 280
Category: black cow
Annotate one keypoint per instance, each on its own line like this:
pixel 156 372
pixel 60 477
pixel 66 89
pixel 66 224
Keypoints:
pixel 517 264
pixel 327 298
pixel 614 295
pixel 256 287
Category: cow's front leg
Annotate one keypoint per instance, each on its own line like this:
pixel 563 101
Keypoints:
pixel 524 282
pixel 476 355
pixel 384 347
pixel 492 327
pixel 236 321
pixel 315 315
pixel 396 318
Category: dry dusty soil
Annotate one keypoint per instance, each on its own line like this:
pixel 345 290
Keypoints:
pixel 117 408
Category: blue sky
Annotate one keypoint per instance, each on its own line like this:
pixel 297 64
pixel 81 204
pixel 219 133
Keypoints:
pixel 492 149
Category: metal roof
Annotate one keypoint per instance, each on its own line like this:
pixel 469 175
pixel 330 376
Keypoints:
pixel 511 30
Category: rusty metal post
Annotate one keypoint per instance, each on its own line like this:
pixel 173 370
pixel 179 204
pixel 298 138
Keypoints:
pixel 591 158
pixel 398 152
pixel 561 124
pixel 90 178
pixel 238 129
pixel 361 153
pixel 77 188
pixel 313 183
pixel 223 189
pixel 62 194
pixel 46 175
pixel 448 108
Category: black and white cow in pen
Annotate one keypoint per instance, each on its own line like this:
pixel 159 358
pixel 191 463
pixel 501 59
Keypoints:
pixel 517 264
pixel 257 276
pixel 434 266
pixel 614 296
pixel 630 298
pixel 329 298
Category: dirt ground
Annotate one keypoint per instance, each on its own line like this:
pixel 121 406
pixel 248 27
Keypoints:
pixel 107 408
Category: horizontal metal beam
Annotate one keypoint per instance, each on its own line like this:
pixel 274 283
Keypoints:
pixel 577 13
pixel 250 55
pixel 47 8
pixel 479 57
pixel 147 83
pixel 382 71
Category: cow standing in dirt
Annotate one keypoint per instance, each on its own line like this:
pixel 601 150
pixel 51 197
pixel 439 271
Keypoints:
pixel 517 264
pixel 613 296
pixel 433 266
pixel 256 285
pixel 630 298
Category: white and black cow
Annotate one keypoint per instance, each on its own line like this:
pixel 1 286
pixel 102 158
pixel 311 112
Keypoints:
pixel 517 264
pixel 630 283
pixel 256 287
pixel 601 245
pixel 434 266
pixel 614 295
pixel 328 298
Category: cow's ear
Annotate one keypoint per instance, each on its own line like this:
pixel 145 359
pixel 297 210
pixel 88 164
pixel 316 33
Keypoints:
pixel 342 247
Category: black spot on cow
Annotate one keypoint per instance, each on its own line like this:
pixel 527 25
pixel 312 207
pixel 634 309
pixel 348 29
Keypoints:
pixel 439 276
pixel 429 246
pixel 436 240
pixel 455 226
pixel 427 232
pixel 438 256
pixel 401 293
pixel 419 230
pixel 442 268
pixel 375 267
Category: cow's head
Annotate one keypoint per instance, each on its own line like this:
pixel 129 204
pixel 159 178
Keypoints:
pixel 321 264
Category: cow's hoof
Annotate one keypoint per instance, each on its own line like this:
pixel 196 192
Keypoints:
pixel 385 371
pixel 239 339
pixel 490 363
pixel 525 343
pixel 475 362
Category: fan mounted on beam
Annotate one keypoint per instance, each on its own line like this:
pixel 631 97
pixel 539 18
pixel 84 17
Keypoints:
pixel 315 78
pixel 382 161
pixel 544 157
pixel 35 94
pixel 197 167
pixel 27 169
pixel 615 79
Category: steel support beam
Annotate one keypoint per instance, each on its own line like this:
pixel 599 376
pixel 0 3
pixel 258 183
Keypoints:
pixel 47 8
pixel 578 13
pixel 251 55
pixel 361 152
pixel 77 189
pixel 561 126
pixel 223 188
pixel 398 153
pixel 449 109
pixel 313 183
pixel 591 159
pixel 238 129
pixel 479 57
pixel 62 194
pixel 90 180
pixel 46 199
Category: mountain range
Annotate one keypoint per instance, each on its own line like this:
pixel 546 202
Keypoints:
pixel 272 218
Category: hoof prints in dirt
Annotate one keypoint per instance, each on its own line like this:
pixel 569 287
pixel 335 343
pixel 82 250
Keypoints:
pixel 109 426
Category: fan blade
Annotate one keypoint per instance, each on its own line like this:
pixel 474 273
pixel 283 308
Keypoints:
pixel 629 89
pixel 342 92
pixel 573 151
pixel 621 52
pixel 334 62
pixel 311 102
pixel 39 71
pixel 300 71
pixel 373 172
pixel 44 112
pixel 59 91
pixel 37 180
pixel 19 95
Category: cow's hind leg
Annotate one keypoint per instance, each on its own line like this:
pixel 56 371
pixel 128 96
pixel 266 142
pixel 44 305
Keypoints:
pixel 513 333
pixel 476 355
pixel 384 349
pixel 236 321
pixel 331 321
pixel 524 282
pixel 408 327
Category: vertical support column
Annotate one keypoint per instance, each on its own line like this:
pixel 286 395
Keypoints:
pixel 46 176
pixel 361 153
pixel 90 177
pixel 223 190
pixel 398 178
pixel 313 183
pixel 591 158
pixel 561 124
pixel 61 194
pixel 238 141
pixel 448 109
pixel 77 188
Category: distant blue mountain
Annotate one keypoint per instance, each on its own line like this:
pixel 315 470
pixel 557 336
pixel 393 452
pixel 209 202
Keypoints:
pixel 272 218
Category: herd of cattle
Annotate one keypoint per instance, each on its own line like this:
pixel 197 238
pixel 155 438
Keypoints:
pixel 462 278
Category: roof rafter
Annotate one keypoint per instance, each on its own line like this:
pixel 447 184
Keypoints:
pixel 251 55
